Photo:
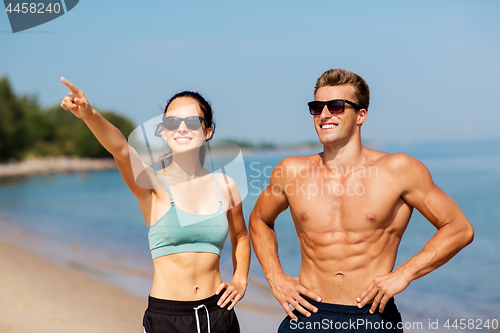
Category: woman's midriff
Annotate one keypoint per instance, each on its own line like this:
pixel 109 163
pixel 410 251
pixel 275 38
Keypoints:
pixel 186 276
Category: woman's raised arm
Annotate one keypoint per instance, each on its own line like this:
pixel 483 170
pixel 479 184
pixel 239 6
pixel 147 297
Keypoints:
pixel 108 135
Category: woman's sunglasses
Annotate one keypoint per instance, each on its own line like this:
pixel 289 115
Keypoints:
pixel 335 106
pixel 193 123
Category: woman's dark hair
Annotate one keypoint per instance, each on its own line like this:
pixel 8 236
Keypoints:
pixel 208 114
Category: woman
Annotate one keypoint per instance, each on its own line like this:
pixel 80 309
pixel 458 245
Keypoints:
pixel 188 211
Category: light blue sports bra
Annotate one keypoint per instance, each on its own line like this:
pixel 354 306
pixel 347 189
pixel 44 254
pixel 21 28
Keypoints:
pixel 179 231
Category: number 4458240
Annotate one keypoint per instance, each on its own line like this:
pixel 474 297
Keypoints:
pixel 472 324
pixel 34 8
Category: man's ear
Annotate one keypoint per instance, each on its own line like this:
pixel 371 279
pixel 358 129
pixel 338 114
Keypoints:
pixel 361 116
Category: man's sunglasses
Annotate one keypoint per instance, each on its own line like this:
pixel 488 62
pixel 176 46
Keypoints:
pixel 335 106
pixel 193 123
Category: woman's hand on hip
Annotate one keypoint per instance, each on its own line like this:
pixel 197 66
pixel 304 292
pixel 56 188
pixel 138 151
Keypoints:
pixel 234 293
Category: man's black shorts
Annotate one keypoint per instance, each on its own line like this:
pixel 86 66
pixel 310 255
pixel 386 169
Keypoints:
pixel 344 318
pixel 166 316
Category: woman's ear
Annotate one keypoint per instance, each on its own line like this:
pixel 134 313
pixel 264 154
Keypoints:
pixel 164 134
pixel 208 134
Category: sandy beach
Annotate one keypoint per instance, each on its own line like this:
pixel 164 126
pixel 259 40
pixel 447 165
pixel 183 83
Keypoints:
pixel 37 295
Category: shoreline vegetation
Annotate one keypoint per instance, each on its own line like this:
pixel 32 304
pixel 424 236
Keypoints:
pixel 55 165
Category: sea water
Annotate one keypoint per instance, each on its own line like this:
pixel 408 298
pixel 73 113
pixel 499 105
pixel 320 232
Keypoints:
pixel 93 222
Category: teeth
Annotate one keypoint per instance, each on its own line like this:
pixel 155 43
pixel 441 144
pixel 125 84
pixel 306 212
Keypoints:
pixel 182 140
pixel 328 126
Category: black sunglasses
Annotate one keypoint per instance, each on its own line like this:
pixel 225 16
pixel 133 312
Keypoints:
pixel 193 123
pixel 335 106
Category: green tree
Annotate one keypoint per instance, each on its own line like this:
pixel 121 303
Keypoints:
pixel 72 137
pixel 27 130
pixel 19 121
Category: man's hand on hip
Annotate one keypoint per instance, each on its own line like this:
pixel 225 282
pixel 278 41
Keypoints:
pixel 288 291
pixel 382 289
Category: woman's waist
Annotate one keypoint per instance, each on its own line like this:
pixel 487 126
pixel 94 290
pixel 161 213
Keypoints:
pixel 186 276
pixel 182 289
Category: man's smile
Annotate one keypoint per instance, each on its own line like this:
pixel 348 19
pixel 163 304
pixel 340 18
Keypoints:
pixel 328 126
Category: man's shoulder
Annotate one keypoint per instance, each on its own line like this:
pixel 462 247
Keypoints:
pixel 396 162
pixel 298 160
pixel 290 166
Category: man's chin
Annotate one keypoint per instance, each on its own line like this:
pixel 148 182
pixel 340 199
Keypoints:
pixel 327 141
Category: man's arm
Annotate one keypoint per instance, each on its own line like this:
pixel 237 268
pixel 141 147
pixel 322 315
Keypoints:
pixel 272 201
pixel 454 231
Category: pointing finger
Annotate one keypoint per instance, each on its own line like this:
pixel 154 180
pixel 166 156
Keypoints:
pixel 71 87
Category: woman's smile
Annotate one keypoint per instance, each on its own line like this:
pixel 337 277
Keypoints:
pixel 183 139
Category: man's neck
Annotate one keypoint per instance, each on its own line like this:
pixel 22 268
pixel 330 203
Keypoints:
pixel 343 154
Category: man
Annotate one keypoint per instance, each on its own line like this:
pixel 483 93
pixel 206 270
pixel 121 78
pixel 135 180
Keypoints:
pixel 351 206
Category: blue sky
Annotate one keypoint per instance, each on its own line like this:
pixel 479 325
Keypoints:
pixel 432 66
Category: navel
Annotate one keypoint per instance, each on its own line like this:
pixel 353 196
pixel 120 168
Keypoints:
pixel 196 289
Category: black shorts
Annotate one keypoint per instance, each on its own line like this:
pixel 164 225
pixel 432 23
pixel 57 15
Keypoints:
pixel 166 316
pixel 344 318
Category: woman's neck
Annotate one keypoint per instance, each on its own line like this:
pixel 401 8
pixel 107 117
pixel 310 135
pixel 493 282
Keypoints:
pixel 185 165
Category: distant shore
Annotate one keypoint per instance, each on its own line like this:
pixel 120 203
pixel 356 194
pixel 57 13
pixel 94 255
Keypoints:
pixel 55 165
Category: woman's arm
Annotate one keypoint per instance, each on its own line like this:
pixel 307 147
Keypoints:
pixel 108 135
pixel 240 248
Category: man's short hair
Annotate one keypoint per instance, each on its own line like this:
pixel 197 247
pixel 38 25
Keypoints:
pixel 338 76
